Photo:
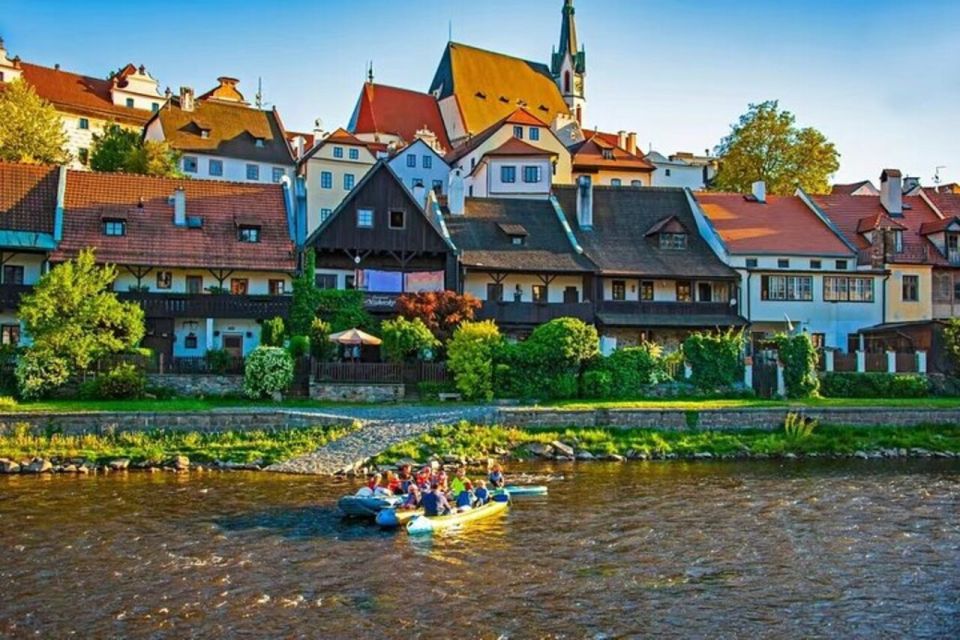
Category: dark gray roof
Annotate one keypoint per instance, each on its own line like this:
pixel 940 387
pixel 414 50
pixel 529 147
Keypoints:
pixel 618 243
pixel 483 243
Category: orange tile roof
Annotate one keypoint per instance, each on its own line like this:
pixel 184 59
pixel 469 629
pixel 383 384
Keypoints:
pixel 489 86
pixel 151 237
pixel 589 156
pixel 517 116
pixel 28 196
pixel 784 225
pixel 80 95
pixel 388 110
pixel 342 136
pixel 517 147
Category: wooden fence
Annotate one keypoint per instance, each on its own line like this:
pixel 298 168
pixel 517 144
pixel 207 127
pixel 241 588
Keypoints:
pixel 381 372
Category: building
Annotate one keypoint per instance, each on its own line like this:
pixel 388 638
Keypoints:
pixel 944 235
pixel 568 65
pixel 683 169
pixel 612 160
pixel 420 167
pixel 397 117
pixel 221 137
pixel 797 271
pixel 86 104
pixel 331 169
pixel 207 260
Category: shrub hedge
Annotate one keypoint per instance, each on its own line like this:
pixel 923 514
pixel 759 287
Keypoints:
pixel 874 385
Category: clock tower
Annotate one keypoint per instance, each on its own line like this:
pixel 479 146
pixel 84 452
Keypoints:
pixel 569 64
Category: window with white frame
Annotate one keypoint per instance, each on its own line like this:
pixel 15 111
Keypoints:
pixel 338 152
pixel 348 181
pixel 325 213
pixel 847 289
pixel 518 132
pixel 792 288
pixel 354 154
pixel 114 227
pixel 277 174
pixel 673 241
pixel 83 123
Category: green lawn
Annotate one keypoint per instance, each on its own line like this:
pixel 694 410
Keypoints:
pixel 701 405
pixel 174 404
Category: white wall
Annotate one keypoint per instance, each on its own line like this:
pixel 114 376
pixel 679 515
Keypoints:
pixel 258 281
pixel 476 284
pixel 205 331
pixel 680 175
pixel 234 169
pixel 32 263
pixel 487 182
pixel 438 171
pixel 318 197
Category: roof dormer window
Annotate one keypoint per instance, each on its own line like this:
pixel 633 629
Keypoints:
pixel 259 143
pixel 248 233
pixel 607 154
pixel 672 241
pixel 205 133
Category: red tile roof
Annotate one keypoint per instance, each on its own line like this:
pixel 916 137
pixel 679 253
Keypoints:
pixel 153 239
pixel 784 225
pixel 589 156
pixel 849 188
pixel 940 225
pixel 946 202
pixel 308 139
pixel 518 116
pixel 80 95
pixel 398 112
pixel 28 196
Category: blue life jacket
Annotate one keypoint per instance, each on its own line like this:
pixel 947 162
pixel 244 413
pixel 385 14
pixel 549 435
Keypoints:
pixel 496 478
pixel 464 499
pixel 482 495
pixel 430 503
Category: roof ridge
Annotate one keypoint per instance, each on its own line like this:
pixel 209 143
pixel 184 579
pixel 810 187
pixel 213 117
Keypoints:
pixel 183 179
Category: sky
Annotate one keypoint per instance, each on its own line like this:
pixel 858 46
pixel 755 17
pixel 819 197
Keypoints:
pixel 881 79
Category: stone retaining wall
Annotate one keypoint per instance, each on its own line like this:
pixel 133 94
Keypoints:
pixel 340 392
pixel 205 421
pixel 198 384
pixel 722 419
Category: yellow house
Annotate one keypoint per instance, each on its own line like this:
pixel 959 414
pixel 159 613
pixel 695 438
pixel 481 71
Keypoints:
pixel 611 160
pixel 909 293
pixel 331 169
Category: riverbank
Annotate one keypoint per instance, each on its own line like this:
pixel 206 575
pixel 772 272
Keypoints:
pixel 477 443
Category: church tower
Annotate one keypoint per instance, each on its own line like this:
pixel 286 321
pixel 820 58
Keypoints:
pixel 569 64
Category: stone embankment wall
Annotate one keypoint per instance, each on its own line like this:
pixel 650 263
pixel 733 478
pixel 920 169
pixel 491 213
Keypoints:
pixel 193 385
pixel 373 393
pixel 722 419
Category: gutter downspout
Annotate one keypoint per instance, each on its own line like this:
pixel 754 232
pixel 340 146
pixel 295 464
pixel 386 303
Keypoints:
pixel 61 199
pixel 749 318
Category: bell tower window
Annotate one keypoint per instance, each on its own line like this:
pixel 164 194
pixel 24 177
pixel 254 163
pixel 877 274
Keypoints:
pixel 566 82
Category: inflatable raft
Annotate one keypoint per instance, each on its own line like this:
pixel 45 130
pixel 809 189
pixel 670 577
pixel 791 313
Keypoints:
pixel 367 506
pixel 428 524
pixel 392 518
pixel 526 490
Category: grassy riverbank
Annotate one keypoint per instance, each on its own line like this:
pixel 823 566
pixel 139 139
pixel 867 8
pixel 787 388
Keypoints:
pixel 18 443
pixel 475 441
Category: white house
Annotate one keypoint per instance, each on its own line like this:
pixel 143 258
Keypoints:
pixel 418 165
pixel 682 169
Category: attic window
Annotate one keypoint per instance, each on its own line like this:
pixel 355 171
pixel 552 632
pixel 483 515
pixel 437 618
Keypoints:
pixel 114 227
pixel 607 154
pixel 673 241
pixel 481 95
pixel 259 143
pixel 543 107
pixel 516 232
pixel 518 240
pixel 205 133
pixel 248 233
pixel 504 99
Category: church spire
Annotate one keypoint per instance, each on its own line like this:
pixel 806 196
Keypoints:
pixel 568 30
pixel 569 64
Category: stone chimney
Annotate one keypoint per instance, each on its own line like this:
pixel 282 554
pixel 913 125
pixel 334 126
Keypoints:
pixel 456 200
pixel 759 191
pixel 632 142
pixel 186 98
pixel 891 191
pixel 585 202
pixel 179 199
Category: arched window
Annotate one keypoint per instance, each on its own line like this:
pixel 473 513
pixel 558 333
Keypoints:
pixel 566 82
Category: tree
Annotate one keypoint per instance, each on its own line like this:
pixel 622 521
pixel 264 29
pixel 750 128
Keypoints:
pixel 404 339
pixel 113 148
pixel 273 332
pixel 470 357
pixel 154 158
pixel 441 311
pixel 30 129
pixel 714 358
pixel 74 318
pixel 799 359
pixel 951 343
pixel 767 145
pixel 343 309
pixel 320 346
pixel 303 307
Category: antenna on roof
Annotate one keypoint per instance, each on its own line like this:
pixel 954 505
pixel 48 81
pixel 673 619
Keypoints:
pixel 449 30
pixel 370 72
pixel 936 174
pixel 258 99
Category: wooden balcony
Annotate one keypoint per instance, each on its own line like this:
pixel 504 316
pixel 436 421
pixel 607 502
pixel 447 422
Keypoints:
pixel 680 314
pixel 533 313
pixel 208 305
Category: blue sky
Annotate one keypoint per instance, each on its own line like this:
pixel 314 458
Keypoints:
pixel 879 78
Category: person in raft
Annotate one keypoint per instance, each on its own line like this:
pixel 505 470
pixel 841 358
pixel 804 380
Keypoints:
pixel 390 484
pixel 423 477
pixel 481 493
pixel 461 489
pixel 496 479
pixel 434 503
pixel 413 499
pixel 439 475
pixel 405 476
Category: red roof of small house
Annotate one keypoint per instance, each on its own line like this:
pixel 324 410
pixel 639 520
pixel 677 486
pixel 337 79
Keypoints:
pixel 400 112
pixel 152 238
pixel 28 196
pixel 596 153
pixel 878 220
pixel 308 138
pixel 783 225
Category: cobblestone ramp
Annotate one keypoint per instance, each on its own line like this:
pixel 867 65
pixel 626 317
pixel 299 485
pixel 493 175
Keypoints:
pixel 382 428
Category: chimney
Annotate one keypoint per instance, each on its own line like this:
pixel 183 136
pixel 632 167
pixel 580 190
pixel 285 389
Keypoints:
pixel 585 202
pixel 622 139
pixel 759 191
pixel 179 207
pixel 186 98
pixel 632 142
pixel 455 194
pixel 891 191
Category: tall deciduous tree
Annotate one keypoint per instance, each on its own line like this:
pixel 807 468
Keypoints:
pixel 767 145
pixel 153 158
pixel 441 311
pixel 30 128
pixel 112 148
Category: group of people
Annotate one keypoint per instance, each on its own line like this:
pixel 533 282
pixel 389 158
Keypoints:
pixel 432 490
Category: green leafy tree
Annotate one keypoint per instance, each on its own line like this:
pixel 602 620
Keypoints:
pixel 343 309
pixel 404 340
pixel 470 355
pixel 951 343
pixel 767 145
pixel 30 129
pixel 564 343
pixel 74 318
pixel 113 148
pixel 303 306
pixel 320 346
pixel 799 358
pixel 714 357
pixel 154 158
pixel 273 332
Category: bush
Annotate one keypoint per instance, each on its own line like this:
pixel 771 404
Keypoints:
pixel 405 340
pixel 7 403
pixel 874 385
pixel 299 346
pixel 470 355
pixel 272 333
pixel 268 370
pixel 714 358
pixel 632 368
pixel 39 373
pixel 122 382
pixel 218 360
pixel 799 359
pixel 432 390
pixel 596 383
pixel 565 343
pixel 320 346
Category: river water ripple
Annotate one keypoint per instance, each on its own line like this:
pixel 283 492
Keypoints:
pixel 738 550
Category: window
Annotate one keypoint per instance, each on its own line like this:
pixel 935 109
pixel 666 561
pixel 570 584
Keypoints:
pixel 534 133
pixel 350 281
pixel 847 289
pixel 416 182
pixel 494 291
pixel 215 168
pixel 190 341
pixel 83 123
pixel 684 291
pixel 816 264
pixel 539 293
pixel 253 172
pixel 636 183
pixel 619 289
pixel 194 284
pixel 704 292
pixel 531 174
pixel 83 155
pixel 437 186
pixel 397 219
pixel 338 152
pixel 956 291
pixel 673 241
pixel 508 174
pixel 205 134
pixel 239 286
pixel 276 287
pixel 277 174
pixel 326 281
pixel 898 240
pixel 154 106
pixel 411 161
pixel 786 288
pixel 518 132
pixel 354 154
pixel 348 180
pixel 325 213
pixel 751 263
pixel 130 102
pixel 164 279
pixel 190 164
pixel 842 265
pixel 248 233
pixel 365 218
pixel 12 274
pixel 427 162
pixel 326 180
pixel 783 263
pixel 607 154
pixel 666 172
pixel 258 143
pixel 114 227
pixel 10 334
pixel 518 240
pixel 911 288
pixel 646 290
pixel 615 182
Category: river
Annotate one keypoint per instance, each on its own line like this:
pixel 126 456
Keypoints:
pixel 749 549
